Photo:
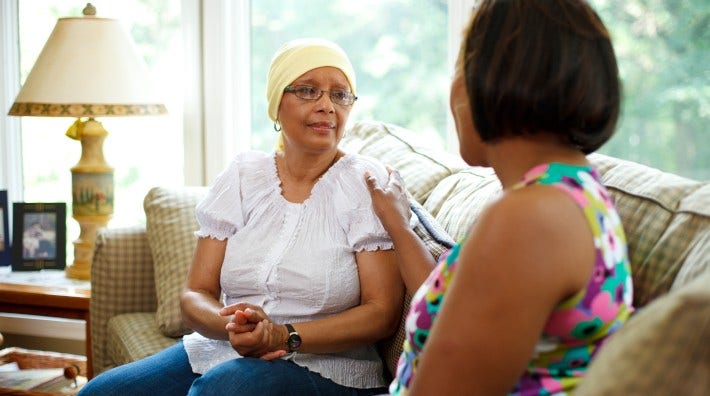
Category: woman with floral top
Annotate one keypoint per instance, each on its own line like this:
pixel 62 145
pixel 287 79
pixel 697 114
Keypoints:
pixel 542 279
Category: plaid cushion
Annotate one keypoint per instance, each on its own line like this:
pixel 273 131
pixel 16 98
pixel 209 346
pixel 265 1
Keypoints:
pixel 694 216
pixel 121 281
pixel 421 168
pixel 170 224
pixel 133 336
pixel 664 349
pixel 666 219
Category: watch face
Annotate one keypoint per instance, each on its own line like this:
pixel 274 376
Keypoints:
pixel 294 341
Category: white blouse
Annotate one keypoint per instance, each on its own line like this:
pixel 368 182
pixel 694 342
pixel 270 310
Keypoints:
pixel 295 260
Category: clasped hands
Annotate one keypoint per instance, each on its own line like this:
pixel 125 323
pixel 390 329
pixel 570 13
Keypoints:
pixel 252 333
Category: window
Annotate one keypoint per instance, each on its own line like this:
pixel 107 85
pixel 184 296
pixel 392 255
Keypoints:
pixel 398 48
pixel 663 49
pixel 402 52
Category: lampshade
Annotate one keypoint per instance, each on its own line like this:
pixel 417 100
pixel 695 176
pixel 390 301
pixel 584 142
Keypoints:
pixel 88 67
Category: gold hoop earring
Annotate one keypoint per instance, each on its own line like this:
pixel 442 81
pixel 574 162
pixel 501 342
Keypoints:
pixel 277 126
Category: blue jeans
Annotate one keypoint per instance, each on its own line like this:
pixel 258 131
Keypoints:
pixel 169 373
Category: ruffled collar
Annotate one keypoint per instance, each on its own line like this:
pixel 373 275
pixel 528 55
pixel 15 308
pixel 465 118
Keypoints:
pixel 326 179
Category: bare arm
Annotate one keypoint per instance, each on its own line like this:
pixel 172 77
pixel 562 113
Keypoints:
pixel 376 316
pixel 391 205
pixel 199 299
pixel 519 261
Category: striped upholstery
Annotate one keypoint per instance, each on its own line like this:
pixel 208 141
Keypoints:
pixel 421 167
pixel 458 199
pixel 666 218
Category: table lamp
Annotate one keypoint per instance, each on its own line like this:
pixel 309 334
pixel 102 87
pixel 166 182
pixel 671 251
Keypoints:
pixel 88 68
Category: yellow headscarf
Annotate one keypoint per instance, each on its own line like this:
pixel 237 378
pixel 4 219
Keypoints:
pixel 297 57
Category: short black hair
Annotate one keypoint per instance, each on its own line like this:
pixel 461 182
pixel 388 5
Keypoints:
pixel 541 66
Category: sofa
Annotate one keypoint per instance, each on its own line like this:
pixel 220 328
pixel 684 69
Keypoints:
pixel 664 348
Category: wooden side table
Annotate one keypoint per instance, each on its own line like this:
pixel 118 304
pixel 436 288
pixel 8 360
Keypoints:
pixel 47 293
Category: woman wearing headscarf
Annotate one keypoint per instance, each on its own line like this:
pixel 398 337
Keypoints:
pixel 293 279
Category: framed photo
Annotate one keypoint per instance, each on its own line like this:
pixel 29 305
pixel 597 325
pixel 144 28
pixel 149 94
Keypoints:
pixel 40 234
pixel 4 230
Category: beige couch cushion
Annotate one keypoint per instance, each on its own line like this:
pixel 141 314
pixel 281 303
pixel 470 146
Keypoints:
pixel 458 200
pixel 662 350
pixel 666 219
pixel 694 216
pixel 421 167
pixel 133 336
pixel 170 226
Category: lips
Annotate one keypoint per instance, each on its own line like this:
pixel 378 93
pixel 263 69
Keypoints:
pixel 322 125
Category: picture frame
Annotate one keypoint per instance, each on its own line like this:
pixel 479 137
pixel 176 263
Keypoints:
pixel 5 255
pixel 40 234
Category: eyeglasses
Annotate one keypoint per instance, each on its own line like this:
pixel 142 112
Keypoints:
pixel 308 92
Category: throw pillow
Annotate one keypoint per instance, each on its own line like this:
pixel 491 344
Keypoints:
pixel 170 227
pixel 664 348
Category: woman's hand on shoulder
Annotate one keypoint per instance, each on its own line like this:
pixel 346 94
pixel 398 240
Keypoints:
pixel 252 333
pixel 389 200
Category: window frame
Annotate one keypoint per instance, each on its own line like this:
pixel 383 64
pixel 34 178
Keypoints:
pixel 11 175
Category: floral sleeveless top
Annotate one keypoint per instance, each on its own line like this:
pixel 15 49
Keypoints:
pixel 577 327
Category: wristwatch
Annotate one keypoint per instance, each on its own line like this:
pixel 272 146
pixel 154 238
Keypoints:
pixel 294 340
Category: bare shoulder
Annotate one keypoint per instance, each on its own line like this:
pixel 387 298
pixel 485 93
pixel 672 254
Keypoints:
pixel 538 233
pixel 532 209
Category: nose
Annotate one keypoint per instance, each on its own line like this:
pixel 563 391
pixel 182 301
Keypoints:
pixel 324 103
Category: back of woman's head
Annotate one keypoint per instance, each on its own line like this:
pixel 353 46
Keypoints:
pixel 541 66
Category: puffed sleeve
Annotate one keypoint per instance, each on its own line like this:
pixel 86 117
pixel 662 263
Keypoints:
pixel 362 226
pixel 219 214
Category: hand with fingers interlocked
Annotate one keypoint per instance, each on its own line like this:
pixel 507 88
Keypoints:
pixel 252 333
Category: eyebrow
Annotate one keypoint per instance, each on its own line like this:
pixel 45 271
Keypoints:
pixel 313 82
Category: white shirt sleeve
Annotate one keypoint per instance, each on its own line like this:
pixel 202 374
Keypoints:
pixel 219 214
pixel 363 228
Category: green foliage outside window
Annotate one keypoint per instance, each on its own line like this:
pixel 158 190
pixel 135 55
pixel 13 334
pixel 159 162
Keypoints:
pixel 399 49
pixel 663 48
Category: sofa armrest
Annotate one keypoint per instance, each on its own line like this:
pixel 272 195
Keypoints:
pixel 122 281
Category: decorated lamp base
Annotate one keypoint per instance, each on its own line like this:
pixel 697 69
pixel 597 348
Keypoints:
pixel 92 194
pixel 84 246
